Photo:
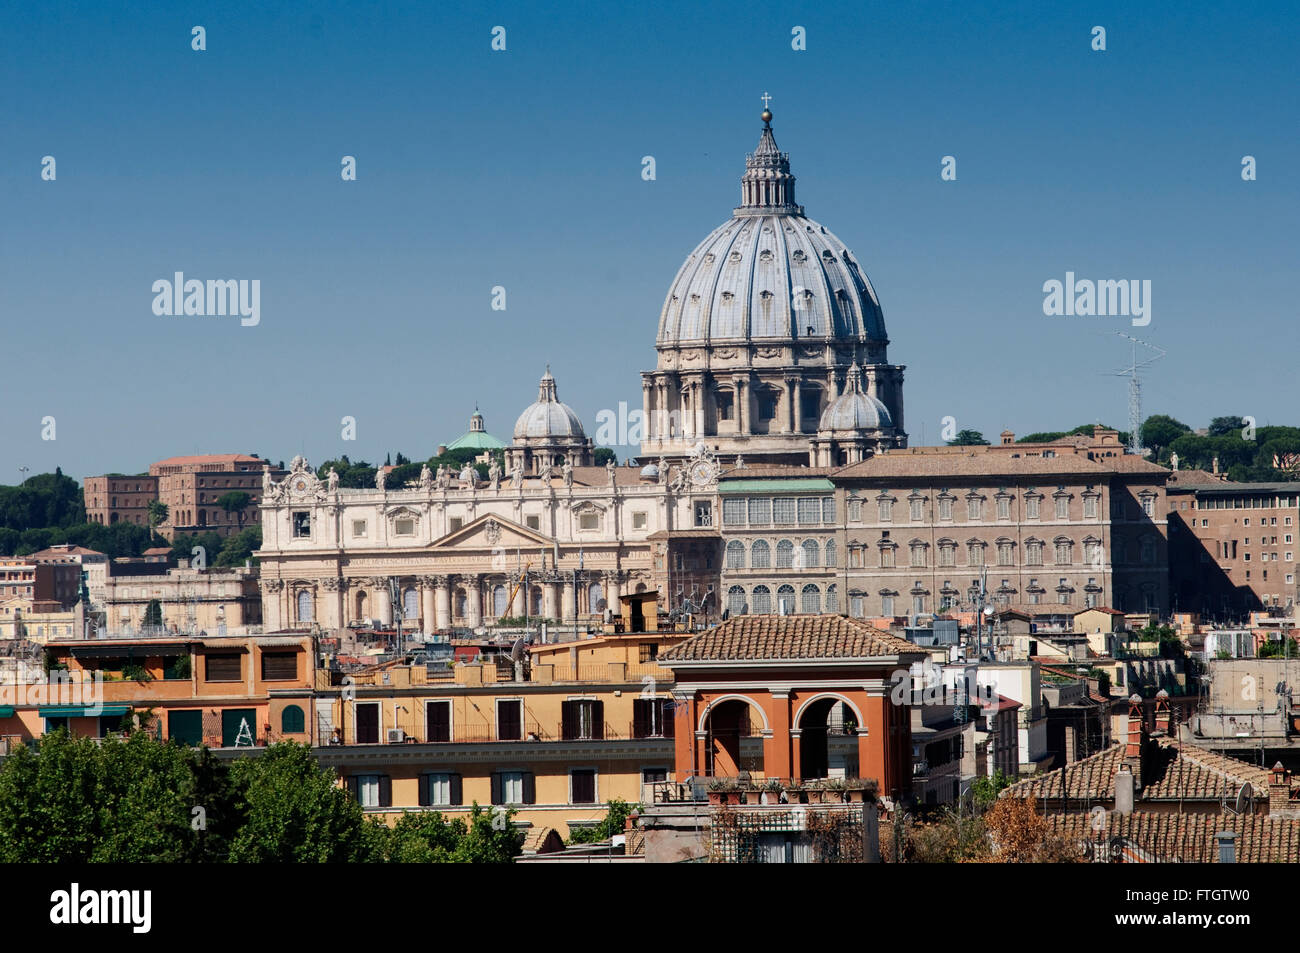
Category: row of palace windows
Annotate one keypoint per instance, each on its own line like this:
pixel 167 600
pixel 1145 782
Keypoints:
pixel 1144 552
pixel 778 511
pixel 761 600
pixel 807 555
pixel 975 508
pixel 410 603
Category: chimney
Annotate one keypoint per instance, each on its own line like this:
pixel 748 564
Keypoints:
pixel 1123 791
pixel 1137 737
pixel 1279 789
pixel 1162 712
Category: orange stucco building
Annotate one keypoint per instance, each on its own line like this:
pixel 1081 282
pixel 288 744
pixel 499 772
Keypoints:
pixel 803 696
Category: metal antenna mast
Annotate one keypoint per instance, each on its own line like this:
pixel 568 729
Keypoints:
pixel 1135 390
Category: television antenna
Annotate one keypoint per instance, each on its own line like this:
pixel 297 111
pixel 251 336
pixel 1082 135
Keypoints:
pixel 1135 389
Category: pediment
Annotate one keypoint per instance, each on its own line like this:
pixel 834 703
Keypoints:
pixel 491 532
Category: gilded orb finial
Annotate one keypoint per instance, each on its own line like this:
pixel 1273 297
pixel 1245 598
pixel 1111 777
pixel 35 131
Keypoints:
pixel 766 115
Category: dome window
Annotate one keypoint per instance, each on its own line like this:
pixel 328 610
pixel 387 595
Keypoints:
pixel 765 255
pixel 799 256
pixel 765 295
pixel 708 259
pixel 727 296
pixel 828 256
pixel 734 256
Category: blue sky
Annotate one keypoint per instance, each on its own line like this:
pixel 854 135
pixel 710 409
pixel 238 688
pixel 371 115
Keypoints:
pixel 522 169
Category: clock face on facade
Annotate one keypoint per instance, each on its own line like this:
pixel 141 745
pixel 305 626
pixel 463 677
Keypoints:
pixel 702 472
pixel 300 485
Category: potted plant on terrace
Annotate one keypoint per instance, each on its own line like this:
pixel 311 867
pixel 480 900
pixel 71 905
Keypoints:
pixel 772 791
pixel 725 791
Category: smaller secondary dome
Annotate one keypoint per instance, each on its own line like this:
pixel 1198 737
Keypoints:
pixel 548 417
pixel 855 409
pixel 650 472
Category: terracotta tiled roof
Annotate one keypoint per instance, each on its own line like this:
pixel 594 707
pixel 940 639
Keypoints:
pixel 906 465
pixel 1172 771
pixel 1188 838
pixel 789 637
pixel 208 459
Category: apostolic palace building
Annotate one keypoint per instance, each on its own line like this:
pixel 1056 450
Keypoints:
pixel 774 476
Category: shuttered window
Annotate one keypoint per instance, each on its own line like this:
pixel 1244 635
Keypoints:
pixel 652 718
pixel 371 790
pixel 514 787
pixel 438 721
pixel 441 790
pixel 582 786
pixel 368 724
pixel 510 720
pixel 279 666
pixel 223 668
pixel 582 720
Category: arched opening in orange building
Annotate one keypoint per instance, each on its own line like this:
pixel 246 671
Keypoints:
pixel 733 739
pixel 827 739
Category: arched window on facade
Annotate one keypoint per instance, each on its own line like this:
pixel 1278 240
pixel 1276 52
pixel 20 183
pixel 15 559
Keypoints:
pixel 785 554
pixel 735 554
pixel 761 604
pixel 811 601
pixel 760 554
pixel 736 600
pixel 410 604
pixel 305 614
pixel 595 598
pixel 810 553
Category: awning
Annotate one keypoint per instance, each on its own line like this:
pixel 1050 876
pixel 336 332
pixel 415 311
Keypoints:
pixel 129 652
pixel 6 711
pixel 81 711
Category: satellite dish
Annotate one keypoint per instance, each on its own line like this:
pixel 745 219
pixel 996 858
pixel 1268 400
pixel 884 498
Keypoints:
pixel 1245 799
pixel 988 610
pixel 517 650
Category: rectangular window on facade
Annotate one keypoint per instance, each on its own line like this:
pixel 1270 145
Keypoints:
pixel 533 522
pixel 916 507
pixel 1031 507
pixel 857 606
pixel 887 557
pixel 973 507
pixel 855 510
pixel 279 666
pixel 654 775
pixel 367 714
pixel 510 719
pixel 887 605
pixel 885 510
pixel 437 718
pixel 828 509
pixel 652 718
pixel 454 524
pixel 760 511
pixel 582 719
pixel 783 511
pixel 358 528
pixel 639 520
pixel 301 524
pixel 1090 507
pixel 589 521
pixel 223 667
pixel 1004 508
pixel 404 527
pixel 810 510
pixel 1062 508
pixel 733 512
pixel 372 790
pixel 514 787
pixel 703 513
pixel 582 786
pixel 441 790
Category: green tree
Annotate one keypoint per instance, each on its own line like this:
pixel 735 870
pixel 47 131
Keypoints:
pixel 296 812
pixel 968 438
pixel 158 513
pixel 603 455
pixel 1223 426
pixel 984 791
pixel 236 501
pixel 153 613
pixel 1279 649
pixel 613 823
pixel 240 547
pixel 1159 431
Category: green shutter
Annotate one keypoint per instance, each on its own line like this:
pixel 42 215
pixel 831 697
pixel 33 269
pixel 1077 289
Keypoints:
pixel 230 722
pixel 292 720
pixel 185 727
